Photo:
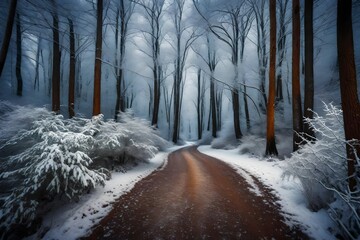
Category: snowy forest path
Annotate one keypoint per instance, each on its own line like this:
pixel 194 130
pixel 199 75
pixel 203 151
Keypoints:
pixel 195 197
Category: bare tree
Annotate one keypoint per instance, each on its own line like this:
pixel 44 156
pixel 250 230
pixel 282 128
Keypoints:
pixel 296 97
pixel 309 69
pixel 8 33
pixel 348 86
pixel 55 83
pixel 200 103
pixel 184 37
pixel 152 13
pixel 227 29
pixel 261 22
pixel 98 51
pixel 283 23
pixel 211 60
pixel 71 98
pixel 37 64
pixel 124 11
pixel 18 56
pixel 245 26
pixel 270 129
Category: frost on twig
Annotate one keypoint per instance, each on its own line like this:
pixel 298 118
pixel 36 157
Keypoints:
pixel 321 166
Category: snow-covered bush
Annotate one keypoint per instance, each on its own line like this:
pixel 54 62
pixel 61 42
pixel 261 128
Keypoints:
pixel 56 158
pixel 322 168
pixel 51 160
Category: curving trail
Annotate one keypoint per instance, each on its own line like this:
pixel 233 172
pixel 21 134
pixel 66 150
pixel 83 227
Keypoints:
pixel 195 197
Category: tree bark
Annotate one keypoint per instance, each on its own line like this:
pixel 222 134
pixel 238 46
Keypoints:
pixel 213 106
pixel 7 35
pixel 98 51
pixel 236 117
pixel 37 64
pixel 348 86
pixel 309 69
pixel 296 96
pixel 71 100
pixel 55 83
pixel 198 104
pixel 18 56
pixel 281 42
pixel 270 129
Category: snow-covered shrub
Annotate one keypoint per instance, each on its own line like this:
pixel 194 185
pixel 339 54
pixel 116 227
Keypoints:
pixel 56 158
pixel 322 168
pixel 51 161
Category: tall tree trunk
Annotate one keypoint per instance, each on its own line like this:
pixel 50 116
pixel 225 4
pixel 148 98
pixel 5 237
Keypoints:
pixel 348 86
pixel 156 76
pixel 219 108
pixel 281 48
pixel 117 67
pixel 71 100
pixel 236 117
pixel 37 64
pixel 98 51
pixel 309 69
pixel 176 110
pixel 78 76
pixel 55 83
pixel 18 56
pixel 213 105
pixel 270 129
pixel 7 35
pixel 198 104
pixel 296 96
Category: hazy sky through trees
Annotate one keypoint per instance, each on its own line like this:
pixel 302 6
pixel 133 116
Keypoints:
pixel 36 20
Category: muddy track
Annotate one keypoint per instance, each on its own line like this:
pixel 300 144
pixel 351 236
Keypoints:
pixel 195 197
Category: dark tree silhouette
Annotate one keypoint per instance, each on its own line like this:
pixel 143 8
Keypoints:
pixel 7 34
pixel 98 51
pixel 55 83
pixel 18 56
pixel 309 69
pixel 348 86
pixel 296 97
pixel 71 101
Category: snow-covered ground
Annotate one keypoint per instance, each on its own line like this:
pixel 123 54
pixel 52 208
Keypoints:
pixel 289 191
pixel 74 220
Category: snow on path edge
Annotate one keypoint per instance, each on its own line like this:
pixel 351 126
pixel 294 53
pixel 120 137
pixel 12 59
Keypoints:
pixel 74 220
pixel 289 191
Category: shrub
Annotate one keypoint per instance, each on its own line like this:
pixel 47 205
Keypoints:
pixel 321 166
pixel 57 158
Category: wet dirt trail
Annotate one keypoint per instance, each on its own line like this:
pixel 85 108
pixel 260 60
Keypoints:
pixel 195 197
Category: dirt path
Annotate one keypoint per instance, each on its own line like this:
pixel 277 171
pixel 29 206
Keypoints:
pixel 194 197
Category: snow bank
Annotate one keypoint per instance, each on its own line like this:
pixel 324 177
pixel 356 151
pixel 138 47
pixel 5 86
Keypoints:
pixel 75 220
pixel 289 191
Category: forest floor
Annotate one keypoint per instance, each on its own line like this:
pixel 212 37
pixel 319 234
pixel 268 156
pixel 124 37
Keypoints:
pixel 196 197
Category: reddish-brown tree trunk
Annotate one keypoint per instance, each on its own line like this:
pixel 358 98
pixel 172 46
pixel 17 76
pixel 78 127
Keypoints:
pixel 55 83
pixel 7 35
pixel 296 96
pixel 98 51
pixel 270 129
pixel 309 69
pixel 348 86
pixel 71 102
